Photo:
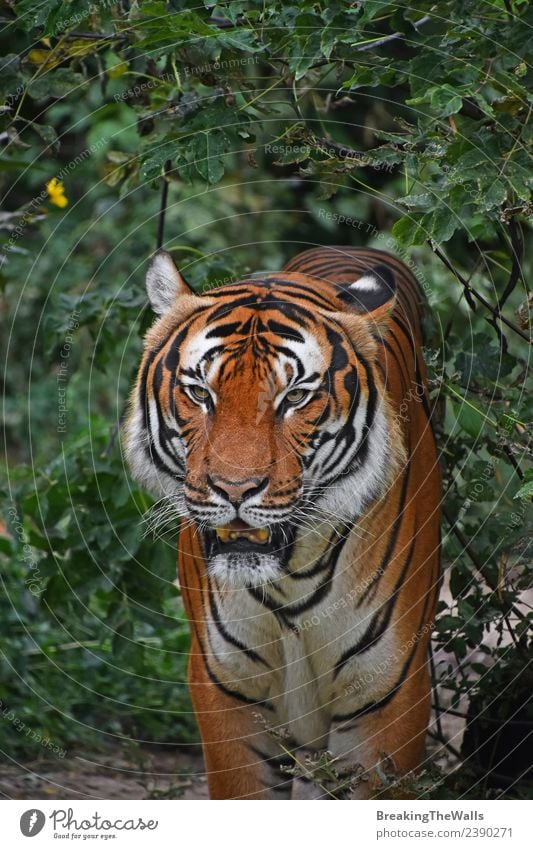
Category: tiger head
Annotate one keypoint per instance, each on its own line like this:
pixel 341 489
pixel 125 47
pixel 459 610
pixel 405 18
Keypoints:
pixel 259 409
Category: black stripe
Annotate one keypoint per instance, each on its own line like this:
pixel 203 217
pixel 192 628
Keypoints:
pixel 223 330
pixel 380 621
pixel 418 375
pixel 370 591
pixel 274 761
pixel 253 655
pixel 347 432
pixel 392 335
pixel 409 336
pixel 284 330
pixel 283 612
pixel 324 587
pixel 339 259
pixel 322 562
pixel 377 704
pixel 235 694
pixel 301 290
pixel 150 447
pixel 388 347
pixel 226 291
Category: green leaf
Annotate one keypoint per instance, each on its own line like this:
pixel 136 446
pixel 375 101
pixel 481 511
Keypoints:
pixel 69 16
pixel 304 52
pixel 445 101
pixel 31 15
pixel 57 83
pixel 442 224
pixel 289 153
pixel 12 79
pixel 154 161
pixel 495 196
pixel 484 363
pixel 409 231
pixel 49 135
pixel 525 493
pixel 421 201
pixel 238 39
pixel 460 579
pixel 161 32
pixel 207 149
pixel 520 179
pixel 372 8
pixel 469 418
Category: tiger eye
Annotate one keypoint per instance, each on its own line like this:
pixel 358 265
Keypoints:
pixel 199 393
pixel 295 396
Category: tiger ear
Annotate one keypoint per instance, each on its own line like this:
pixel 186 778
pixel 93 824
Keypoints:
pixel 373 294
pixel 164 283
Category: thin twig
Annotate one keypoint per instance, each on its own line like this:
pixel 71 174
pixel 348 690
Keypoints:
pixel 474 558
pixel 117 427
pixel 225 23
pixel 435 691
pixel 489 719
pixel 447 745
pixel 163 206
pixel 395 36
pixel 115 430
pixel 340 149
pixel 517 248
pixel 373 44
pixel 96 36
pixel 513 462
pixel 468 288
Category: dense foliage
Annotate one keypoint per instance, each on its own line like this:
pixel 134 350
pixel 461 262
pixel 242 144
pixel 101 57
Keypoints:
pixel 271 127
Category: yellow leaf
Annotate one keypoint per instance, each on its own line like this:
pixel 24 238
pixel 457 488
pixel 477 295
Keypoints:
pixel 38 57
pixel 117 70
pixel 77 47
pixel 65 49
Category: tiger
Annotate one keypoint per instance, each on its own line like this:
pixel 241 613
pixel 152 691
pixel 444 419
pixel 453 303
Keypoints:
pixel 285 421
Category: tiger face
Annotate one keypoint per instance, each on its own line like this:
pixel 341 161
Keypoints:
pixel 259 410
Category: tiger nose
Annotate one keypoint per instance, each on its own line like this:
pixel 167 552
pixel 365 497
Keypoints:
pixel 236 491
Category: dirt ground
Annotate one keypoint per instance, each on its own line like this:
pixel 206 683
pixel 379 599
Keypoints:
pixel 146 773
pixel 151 772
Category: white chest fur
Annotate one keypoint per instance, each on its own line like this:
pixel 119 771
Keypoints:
pixel 266 648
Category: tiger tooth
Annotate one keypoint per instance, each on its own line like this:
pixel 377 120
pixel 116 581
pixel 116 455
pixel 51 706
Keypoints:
pixel 262 534
pixel 259 535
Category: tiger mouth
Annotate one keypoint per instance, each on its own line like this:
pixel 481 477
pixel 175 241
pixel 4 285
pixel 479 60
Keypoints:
pixel 238 539
pixel 236 531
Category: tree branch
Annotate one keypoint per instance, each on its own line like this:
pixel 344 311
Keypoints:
pixel 495 312
pixel 517 251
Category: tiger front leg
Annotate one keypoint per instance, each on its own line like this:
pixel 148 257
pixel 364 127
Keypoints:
pixel 242 758
pixel 381 752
